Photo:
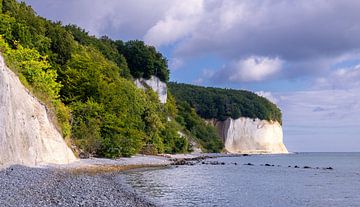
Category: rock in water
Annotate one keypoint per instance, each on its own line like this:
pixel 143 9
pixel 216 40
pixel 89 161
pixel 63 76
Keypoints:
pixel 246 135
pixel 155 84
pixel 27 135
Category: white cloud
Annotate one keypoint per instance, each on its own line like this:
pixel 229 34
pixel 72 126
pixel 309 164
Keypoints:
pixel 125 19
pixel 299 32
pixel 268 95
pixel 344 78
pixel 251 69
pixel 181 19
pixel 255 69
pixel 175 63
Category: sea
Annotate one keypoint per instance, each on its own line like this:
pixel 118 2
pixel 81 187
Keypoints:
pixel 319 179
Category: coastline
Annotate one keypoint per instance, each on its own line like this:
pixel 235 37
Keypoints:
pixel 87 182
pixel 103 165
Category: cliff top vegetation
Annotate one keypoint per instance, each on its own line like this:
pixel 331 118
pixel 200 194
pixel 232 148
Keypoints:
pixel 220 103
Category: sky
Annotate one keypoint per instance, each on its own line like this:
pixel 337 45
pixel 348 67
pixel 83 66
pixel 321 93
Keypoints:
pixel 303 55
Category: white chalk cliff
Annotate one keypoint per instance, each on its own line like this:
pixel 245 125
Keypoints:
pixel 27 135
pixel 155 84
pixel 245 135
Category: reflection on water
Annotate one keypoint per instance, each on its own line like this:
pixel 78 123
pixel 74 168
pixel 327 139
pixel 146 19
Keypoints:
pixel 258 185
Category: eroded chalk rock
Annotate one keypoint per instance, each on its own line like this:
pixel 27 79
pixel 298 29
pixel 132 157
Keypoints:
pixel 155 84
pixel 27 135
pixel 246 135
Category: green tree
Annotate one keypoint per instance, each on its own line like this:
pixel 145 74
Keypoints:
pixel 143 60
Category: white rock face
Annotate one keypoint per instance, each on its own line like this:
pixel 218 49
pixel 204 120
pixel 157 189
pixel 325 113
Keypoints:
pixel 156 84
pixel 27 136
pixel 245 135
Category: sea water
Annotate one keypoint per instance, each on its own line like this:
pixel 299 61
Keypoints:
pixel 256 185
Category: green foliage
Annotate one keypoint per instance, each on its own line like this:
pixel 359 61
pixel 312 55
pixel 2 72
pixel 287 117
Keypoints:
pixel 36 70
pixel 9 6
pixel 173 141
pixel 6 25
pixel 27 28
pixel 143 60
pixel 105 45
pixel 84 75
pixel 111 117
pixel 205 133
pixel 87 118
pixel 62 43
pixel 115 108
pixel 223 103
pixel 170 105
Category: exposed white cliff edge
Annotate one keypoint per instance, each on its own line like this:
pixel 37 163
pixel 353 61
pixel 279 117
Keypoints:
pixel 246 135
pixel 27 135
pixel 156 85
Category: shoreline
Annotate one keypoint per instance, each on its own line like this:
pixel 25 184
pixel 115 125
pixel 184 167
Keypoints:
pixel 25 186
pixel 86 182
pixel 104 165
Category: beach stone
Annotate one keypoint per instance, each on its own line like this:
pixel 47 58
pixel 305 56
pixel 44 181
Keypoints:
pixel 37 187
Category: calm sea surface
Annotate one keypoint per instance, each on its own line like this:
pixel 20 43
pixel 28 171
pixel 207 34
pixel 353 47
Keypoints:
pixel 243 185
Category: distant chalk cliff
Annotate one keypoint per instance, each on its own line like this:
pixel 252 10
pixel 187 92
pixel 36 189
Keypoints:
pixel 246 135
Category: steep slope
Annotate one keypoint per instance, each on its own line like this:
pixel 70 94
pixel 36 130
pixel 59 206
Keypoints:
pixel 27 136
pixel 244 135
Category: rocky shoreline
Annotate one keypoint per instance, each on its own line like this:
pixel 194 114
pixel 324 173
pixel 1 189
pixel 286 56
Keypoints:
pixel 24 187
pixel 88 182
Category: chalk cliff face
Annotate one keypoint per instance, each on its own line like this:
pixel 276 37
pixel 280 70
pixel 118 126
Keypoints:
pixel 245 135
pixel 156 84
pixel 27 136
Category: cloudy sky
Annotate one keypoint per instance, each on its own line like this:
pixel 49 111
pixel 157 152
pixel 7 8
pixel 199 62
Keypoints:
pixel 304 55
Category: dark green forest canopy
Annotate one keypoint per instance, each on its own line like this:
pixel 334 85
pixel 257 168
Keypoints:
pixel 223 103
pixel 142 60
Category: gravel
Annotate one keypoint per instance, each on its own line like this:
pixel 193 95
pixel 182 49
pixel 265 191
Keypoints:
pixel 23 186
